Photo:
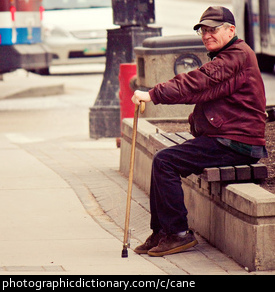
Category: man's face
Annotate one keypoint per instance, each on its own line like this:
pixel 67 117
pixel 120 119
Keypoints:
pixel 217 40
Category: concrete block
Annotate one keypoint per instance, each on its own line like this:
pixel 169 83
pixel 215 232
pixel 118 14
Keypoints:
pixel 239 240
pixel 161 59
pixel 250 199
pixel 198 206
pixel 168 111
pixel 216 225
pixel 265 247
pixel 158 65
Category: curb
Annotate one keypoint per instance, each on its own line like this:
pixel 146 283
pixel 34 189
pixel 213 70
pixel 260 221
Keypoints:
pixel 22 84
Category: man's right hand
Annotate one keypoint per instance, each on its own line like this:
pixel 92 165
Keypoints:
pixel 140 96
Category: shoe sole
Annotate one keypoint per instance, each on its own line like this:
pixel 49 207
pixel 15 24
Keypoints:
pixel 141 251
pixel 173 250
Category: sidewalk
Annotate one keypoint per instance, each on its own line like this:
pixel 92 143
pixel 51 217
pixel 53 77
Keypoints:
pixel 45 228
pixel 63 207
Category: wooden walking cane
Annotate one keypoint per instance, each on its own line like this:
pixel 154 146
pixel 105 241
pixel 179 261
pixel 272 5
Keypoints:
pixel 126 241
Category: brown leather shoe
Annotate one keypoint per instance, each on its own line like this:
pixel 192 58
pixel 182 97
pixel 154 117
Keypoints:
pixel 173 243
pixel 150 242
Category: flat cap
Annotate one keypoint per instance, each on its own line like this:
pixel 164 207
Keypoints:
pixel 215 16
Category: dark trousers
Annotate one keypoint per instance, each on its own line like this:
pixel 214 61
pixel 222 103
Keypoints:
pixel 168 211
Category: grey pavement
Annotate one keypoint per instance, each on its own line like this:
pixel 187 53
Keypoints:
pixel 62 208
pixel 50 219
pixel 63 201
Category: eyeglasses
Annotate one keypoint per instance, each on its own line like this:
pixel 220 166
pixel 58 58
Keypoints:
pixel 212 30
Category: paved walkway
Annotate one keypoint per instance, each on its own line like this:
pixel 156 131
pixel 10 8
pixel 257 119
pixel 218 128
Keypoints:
pixel 44 226
pixel 63 207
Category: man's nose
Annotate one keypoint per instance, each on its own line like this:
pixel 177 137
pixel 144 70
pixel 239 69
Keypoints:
pixel 206 35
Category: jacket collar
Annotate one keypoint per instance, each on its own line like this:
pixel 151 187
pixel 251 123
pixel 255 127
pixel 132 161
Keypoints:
pixel 212 55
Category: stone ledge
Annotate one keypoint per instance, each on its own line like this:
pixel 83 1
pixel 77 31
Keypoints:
pixel 250 199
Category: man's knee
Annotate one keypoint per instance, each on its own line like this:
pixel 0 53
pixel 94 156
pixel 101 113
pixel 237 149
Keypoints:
pixel 161 155
pixel 160 158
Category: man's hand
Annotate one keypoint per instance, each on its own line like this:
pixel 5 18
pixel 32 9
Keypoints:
pixel 140 96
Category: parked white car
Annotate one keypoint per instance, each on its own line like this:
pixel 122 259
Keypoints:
pixel 76 30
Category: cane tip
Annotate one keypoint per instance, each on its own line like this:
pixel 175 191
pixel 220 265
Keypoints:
pixel 124 253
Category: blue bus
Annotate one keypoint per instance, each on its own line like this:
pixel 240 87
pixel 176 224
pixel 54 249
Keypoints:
pixel 20 36
pixel 255 22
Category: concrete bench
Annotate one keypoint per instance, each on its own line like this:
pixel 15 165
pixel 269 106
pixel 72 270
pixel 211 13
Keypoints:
pixel 225 205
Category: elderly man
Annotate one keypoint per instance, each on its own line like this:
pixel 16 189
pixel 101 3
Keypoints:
pixel 228 123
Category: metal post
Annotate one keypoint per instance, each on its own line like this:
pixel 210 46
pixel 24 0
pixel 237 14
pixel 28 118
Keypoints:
pixel 133 17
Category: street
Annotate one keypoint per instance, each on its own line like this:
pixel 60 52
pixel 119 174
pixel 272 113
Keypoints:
pixel 53 176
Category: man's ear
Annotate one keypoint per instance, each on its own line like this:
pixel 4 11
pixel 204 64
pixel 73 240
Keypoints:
pixel 232 31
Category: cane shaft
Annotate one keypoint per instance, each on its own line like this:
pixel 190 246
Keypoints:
pixel 126 241
pixel 130 182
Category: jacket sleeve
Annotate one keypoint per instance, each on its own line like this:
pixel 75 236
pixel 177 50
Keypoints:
pixel 215 79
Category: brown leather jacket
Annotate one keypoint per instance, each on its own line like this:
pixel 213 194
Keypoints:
pixel 228 92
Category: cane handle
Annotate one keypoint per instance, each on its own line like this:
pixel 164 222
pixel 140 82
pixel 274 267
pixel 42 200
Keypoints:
pixel 142 107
